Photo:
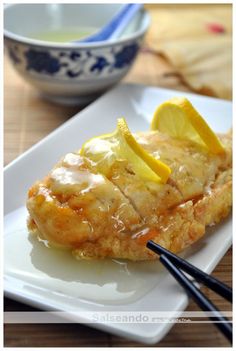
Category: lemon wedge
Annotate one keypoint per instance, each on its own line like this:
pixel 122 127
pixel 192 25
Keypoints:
pixel 105 149
pixel 178 118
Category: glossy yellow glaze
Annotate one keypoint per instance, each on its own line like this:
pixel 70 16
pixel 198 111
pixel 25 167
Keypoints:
pixel 101 207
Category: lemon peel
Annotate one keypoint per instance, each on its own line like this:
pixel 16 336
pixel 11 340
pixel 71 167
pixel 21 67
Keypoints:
pixel 122 144
pixel 159 168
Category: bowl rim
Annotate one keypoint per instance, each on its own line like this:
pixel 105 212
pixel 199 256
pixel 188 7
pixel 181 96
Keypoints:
pixel 100 44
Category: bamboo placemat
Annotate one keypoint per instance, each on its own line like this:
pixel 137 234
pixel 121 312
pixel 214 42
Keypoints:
pixel 27 120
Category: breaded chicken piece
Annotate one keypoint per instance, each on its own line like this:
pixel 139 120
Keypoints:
pixel 97 216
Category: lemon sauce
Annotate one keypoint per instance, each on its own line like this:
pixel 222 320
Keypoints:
pixel 62 35
pixel 55 273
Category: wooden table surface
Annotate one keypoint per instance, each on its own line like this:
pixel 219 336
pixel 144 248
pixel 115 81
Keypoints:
pixel 27 120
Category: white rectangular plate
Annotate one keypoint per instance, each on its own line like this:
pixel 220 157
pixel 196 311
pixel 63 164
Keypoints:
pixel 52 279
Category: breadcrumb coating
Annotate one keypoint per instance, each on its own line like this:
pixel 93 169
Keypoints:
pixel 97 216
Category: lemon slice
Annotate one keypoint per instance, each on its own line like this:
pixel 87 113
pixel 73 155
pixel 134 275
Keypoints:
pixel 121 144
pixel 178 118
pixel 159 168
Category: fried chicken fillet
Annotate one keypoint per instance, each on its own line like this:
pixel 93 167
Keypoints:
pixel 97 216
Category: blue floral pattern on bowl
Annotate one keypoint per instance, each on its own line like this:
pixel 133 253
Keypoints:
pixel 42 61
pixel 81 63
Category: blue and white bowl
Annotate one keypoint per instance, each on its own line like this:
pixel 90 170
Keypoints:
pixel 70 73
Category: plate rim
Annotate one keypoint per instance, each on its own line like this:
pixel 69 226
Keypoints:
pixel 25 297
pixel 111 91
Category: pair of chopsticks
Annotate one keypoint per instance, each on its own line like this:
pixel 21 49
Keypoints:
pixel 176 265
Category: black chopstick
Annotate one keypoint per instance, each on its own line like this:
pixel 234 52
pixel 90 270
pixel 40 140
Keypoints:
pixel 212 283
pixel 203 302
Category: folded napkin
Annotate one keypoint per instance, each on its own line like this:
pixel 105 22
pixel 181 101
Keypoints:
pixel 197 41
